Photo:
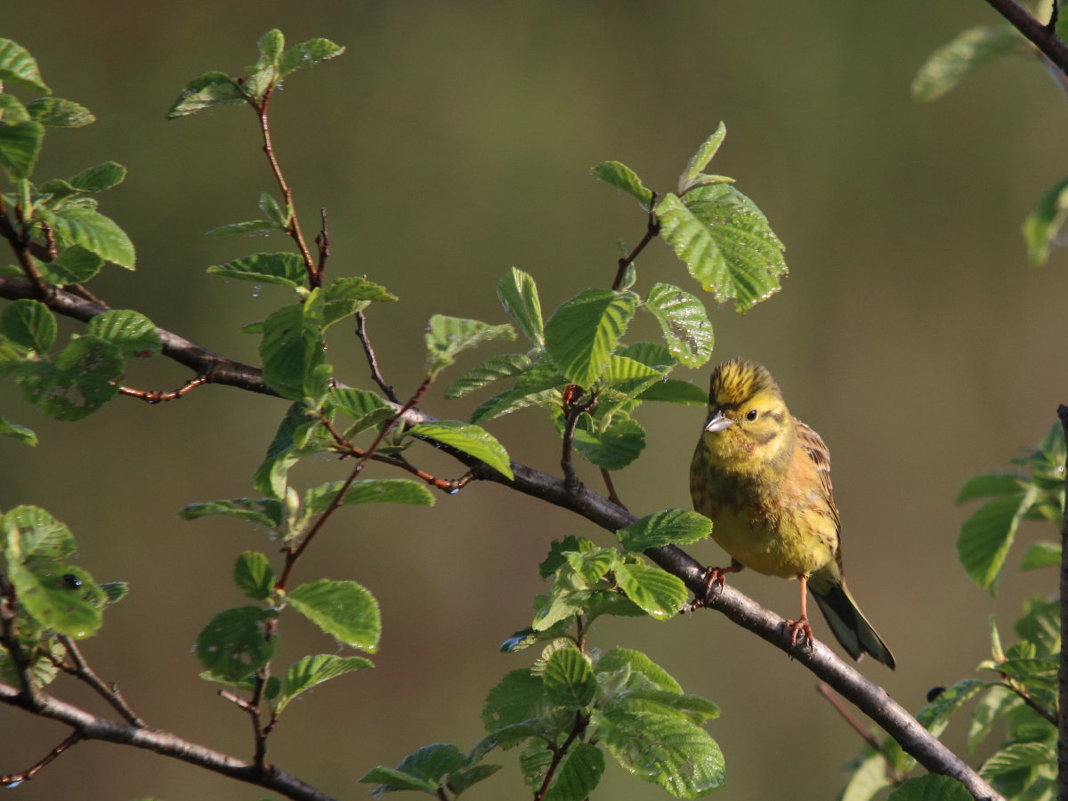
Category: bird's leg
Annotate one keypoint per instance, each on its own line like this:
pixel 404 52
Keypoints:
pixel 796 628
pixel 716 577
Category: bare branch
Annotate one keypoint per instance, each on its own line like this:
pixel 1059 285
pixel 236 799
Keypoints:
pixel 13 780
pixel 1044 37
pixel 109 692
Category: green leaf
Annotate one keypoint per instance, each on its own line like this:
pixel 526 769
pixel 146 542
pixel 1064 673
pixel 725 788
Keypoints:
pixel 660 594
pixel 622 370
pixel 285 269
pixel 55 112
pixel 98 178
pixel 131 332
pixel 584 331
pixel 672 390
pixel 272 211
pixel 684 322
pixel 665 749
pixel 986 536
pixel 343 297
pixel 32 533
pixel 11 110
pixel 115 591
pixel 726 243
pixel 701 158
pixel 1044 224
pixel 424 770
pixel 371 490
pixel 59 597
pixel 313 670
pixel 254 575
pixel 291 348
pixel 83 378
pixel 270 46
pixel 495 368
pixel 578 774
pixel 446 337
pixel 989 711
pixel 936 715
pixel 470 439
pixel 241 228
pixel 28 324
pixel 233 644
pixel 517 698
pixel 991 484
pixel 696 708
pixel 365 408
pixel 343 609
pixel 18 67
pixel 972 48
pixel 261 511
pixel 519 295
pixel 307 54
pixel 568 679
pixel 210 90
pixel 390 780
pixel 20 144
pixel 74 265
pixel 624 178
pixel 78 225
pixel 9 428
pixel 462 779
pixel 667 527
pixel 930 788
pixel 1043 553
pixel 636 661
pixel 615 447
pixel 293 439
pixel 1016 756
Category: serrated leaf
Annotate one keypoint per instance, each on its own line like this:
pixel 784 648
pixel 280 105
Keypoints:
pixel 667 750
pixel 1016 756
pixel 285 269
pixel 291 348
pixel 82 378
pixel 510 401
pixel 615 447
pixel 624 178
pixel 620 658
pixel 208 91
pixel 696 708
pixel 9 428
pixel 254 575
pixel 930 788
pixel 667 527
pixel 271 210
pixel 307 54
pixel 995 704
pixel 578 774
pixel 371 490
pixel 990 484
pixel 1044 224
pixel 584 331
pixel 292 439
pixel 18 67
pixel 342 609
pixel 517 698
pixel 77 225
pixel 365 408
pixel 947 65
pixel 56 112
pixel 31 533
pixel 20 145
pixel 74 265
pixel 986 536
pixel 29 324
pixel 11 110
pixel 936 714
pixel 131 332
pixel 241 228
pixel 390 780
pixel 115 591
pixel 623 370
pixel 1044 553
pixel 673 390
pixel 470 439
pixel 424 770
pixel 701 158
pixel 568 679
pixel 99 178
pixel 519 295
pixel 262 511
pixel 684 322
pixel 313 670
pixel 446 337
pixel 726 243
pixel 660 594
pixel 233 644
pixel 59 597
pixel 462 779
pixel 495 368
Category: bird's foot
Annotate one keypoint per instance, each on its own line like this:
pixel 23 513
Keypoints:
pixel 799 632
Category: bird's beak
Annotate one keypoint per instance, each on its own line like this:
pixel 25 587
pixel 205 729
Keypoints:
pixel 717 421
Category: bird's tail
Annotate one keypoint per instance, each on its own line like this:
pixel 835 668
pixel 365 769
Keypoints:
pixel 847 622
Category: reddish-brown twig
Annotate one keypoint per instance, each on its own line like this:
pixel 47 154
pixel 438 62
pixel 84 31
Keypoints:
pixel 159 396
pixel 13 780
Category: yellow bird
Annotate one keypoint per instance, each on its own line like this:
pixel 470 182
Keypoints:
pixel 763 478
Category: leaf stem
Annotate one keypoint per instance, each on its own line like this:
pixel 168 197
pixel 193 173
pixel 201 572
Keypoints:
pixel 652 230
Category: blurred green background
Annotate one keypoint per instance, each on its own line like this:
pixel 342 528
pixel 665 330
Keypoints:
pixel 450 142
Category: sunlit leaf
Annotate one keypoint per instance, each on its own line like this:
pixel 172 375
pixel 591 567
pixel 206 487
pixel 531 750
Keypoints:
pixel 624 178
pixel 972 48
pixel 342 609
pixel 583 332
pixel 471 439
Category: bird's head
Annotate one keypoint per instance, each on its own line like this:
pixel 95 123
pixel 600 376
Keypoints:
pixel 747 417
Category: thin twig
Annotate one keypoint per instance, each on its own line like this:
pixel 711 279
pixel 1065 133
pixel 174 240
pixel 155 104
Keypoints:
pixel 322 241
pixel 573 411
pixel 652 230
pixel 613 496
pixel 106 690
pixel 15 779
pixel 847 716
pixel 372 360
pixel 153 396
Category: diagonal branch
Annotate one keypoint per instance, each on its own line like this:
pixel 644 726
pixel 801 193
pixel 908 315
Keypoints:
pixel 1044 37
pixel 91 727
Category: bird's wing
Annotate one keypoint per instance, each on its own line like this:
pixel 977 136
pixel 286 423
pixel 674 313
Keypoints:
pixel 817 451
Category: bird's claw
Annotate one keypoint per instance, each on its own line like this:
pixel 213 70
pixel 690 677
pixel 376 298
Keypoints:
pixel 799 631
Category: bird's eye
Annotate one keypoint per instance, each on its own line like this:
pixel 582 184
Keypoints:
pixel 751 415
